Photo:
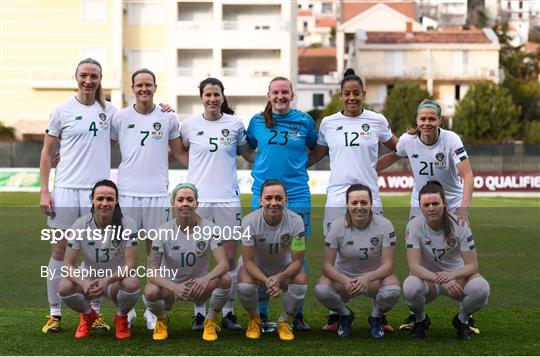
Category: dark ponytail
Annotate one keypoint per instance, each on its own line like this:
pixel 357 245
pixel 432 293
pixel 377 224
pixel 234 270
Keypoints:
pixel 435 187
pixel 350 75
pixel 117 213
pixel 216 82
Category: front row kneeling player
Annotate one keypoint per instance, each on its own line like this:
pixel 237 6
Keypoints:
pixel 180 258
pixel 442 261
pixel 273 246
pixel 106 255
pixel 364 245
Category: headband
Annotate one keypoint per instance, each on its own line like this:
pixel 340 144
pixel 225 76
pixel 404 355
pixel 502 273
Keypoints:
pixel 185 185
pixel 431 105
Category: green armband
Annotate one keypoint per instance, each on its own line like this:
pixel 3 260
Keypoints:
pixel 298 244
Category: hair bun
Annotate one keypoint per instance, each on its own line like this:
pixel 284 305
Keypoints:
pixel 349 72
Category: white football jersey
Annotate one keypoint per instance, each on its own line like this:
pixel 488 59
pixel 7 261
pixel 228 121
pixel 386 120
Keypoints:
pixel 353 144
pixel 212 155
pixel 144 145
pixel 439 254
pixel 435 162
pixel 102 254
pixel 360 251
pixel 85 147
pixel 272 244
pixel 186 255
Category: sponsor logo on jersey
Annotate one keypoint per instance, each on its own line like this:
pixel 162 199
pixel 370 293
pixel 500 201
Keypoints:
pixel 102 116
pixel 78 117
pixel 451 242
pixel 339 128
pixel 91 244
pixel 225 132
pixel 176 247
pixel 131 126
pixel 351 242
pixel 441 160
pixel 201 245
pixel 374 241
pixel 285 239
pixel 414 156
pixel 199 133
pixel 365 127
pixel 428 242
pixel 102 121
pixel 156 134
pixel 116 242
pixel 157 126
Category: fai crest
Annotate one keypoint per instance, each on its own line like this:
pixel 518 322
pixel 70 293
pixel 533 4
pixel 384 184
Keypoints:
pixel 201 245
pixel 452 242
pixel 225 132
pixel 102 116
pixel 157 126
pixel 439 156
pixel 286 238
pixel 365 127
pixel 374 241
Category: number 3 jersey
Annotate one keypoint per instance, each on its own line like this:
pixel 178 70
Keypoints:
pixel 360 251
pixel 439 254
pixel 186 256
pixel 85 143
pixel 213 145
pixel 102 250
pixel 144 144
pixel 273 244
pixel 435 162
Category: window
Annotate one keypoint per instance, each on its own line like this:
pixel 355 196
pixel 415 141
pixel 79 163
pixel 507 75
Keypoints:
pixel 318 100
pixel 389 88
pixel 305 25
pixel 94 10
pixel 457 92
pixel 521 4
pixel 319 79
pixel 326 8
pixel 310 6
pixel 145 14
pixel 300 37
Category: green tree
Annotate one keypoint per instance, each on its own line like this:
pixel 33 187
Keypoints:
pixel 400 106
pixel 487 114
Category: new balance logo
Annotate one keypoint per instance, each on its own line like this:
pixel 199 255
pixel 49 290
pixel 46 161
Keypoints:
pixel 339 128
pixel 176 247
pixel 414 156
pixel 131 126
pixel 91 243
pixel 199 133
pixel 79 117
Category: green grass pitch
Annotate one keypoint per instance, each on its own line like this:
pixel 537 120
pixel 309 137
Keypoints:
pixel 507 238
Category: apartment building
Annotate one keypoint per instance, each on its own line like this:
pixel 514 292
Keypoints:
pixel 244 43
pixel 444 62
pixel 317 77
pixel 445 13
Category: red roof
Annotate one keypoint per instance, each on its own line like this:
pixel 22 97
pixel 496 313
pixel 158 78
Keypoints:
pixel 317 60
pixel 427 37
pixel 305 13
pixel 351 9
pixel 326 22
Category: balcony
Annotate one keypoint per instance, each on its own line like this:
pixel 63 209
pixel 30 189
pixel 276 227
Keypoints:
pixel 378 72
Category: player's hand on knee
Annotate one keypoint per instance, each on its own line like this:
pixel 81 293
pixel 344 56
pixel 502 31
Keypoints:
pixel 97 288
pixel 199 287
pixel 184 290
pixel 443 277
pixel 454 289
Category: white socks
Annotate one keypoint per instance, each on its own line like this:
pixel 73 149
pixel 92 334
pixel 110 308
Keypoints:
pixel 248 297
pixel 126 301
pixel 414 293
pixel 294 298
pixel 330 299
pixel 476 297
pixel 387 297
pixel 218 299
pixel 77 302
pixel 53 281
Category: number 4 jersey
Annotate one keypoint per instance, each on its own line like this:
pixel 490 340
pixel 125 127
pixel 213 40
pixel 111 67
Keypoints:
pixel 213 145
pixel 85 148
pixel 144 144
pixel 435 162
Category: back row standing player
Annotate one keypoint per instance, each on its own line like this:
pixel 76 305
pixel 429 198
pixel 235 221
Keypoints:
pixel 435 154
pixel 81 125
pixel 213 139
pixel 282 137
pixel 145 134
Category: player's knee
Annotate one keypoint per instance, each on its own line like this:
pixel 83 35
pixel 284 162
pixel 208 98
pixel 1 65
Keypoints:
pixel 152 292
pixel 322 291
pixel 246 290
pixel 390 293
pixel 297 291
pixel 66 287
pixel 225 281
pixel 478 288
pixel 130 285
pixel 413 287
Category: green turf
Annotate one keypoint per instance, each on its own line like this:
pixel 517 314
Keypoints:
pixel 508 243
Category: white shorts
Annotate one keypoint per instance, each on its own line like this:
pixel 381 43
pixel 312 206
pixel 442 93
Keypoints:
pixel 147 212
pixel 68 205
pixel 223 214
pixel 336 206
